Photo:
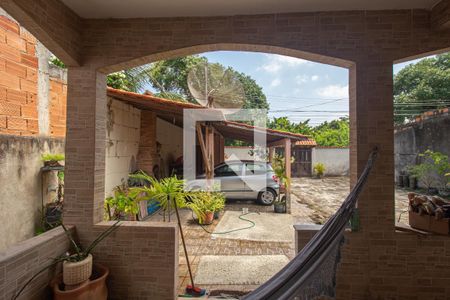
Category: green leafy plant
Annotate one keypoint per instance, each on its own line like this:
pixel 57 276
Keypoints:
pixel 79 253
pixel 432 172
pixel 48 157
pixel 319 169
pixel 203 203
pixel 279 168
pixel 122 203
pixel 163 191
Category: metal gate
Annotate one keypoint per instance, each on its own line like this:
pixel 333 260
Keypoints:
pixel 302 165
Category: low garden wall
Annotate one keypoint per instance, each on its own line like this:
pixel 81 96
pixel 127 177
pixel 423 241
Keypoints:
pixel 21 261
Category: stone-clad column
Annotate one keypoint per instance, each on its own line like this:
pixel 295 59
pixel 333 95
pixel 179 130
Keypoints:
pixel 85 148
pixel 371 111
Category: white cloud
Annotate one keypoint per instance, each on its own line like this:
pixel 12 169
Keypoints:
pixel 300 79
pixel 333 91
pixel 276 82
pixel 275 63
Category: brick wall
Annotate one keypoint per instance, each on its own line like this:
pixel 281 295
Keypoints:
pixel 58 100
pixel 18 80
pixel 19 104
pixel 147 142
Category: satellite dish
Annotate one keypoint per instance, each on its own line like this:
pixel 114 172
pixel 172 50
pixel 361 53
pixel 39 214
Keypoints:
pixel 213 86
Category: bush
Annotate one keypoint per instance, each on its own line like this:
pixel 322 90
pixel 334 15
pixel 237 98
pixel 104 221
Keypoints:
pixel 52 157
pixel 433 171
pixel 319 169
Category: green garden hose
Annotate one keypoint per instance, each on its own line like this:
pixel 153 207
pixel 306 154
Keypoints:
pixel 252 224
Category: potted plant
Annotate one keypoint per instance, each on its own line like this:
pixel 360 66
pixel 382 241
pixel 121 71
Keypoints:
pixel 163 191
pixel 279 205
pixel 279 169
pixel 74 282
pixel 204 204
pixel 122 205
pixel 52 160
pixel 219 203
pixel 319 169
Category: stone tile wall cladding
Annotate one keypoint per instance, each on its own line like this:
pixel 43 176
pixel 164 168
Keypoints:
pixel 26 259
pixel 376 262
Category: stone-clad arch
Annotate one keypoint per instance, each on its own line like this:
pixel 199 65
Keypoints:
pixel 365 42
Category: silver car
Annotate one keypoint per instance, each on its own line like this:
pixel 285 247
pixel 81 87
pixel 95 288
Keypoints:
pixel 247 180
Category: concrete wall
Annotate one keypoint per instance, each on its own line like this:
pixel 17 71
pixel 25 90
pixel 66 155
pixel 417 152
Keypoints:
pixel 171 139
pixel 336 160
pixel 122 142
pixel 20 188
pixel 427 133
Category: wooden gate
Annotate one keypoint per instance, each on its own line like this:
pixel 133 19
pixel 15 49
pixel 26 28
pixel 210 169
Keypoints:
pixel 302 165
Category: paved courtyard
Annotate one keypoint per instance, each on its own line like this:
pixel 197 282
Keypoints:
pixel 313 202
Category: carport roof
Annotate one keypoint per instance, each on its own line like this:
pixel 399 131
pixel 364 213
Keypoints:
pixel 172 111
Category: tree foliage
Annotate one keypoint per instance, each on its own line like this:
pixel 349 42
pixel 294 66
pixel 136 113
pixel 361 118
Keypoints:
pixel 334 133
pixel 170 76
pixel 422 86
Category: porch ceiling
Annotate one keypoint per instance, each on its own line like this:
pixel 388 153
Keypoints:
pixel 179 8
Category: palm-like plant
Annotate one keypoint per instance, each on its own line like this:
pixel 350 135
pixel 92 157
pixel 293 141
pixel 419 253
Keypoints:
pixel 279 168
pixel 164 191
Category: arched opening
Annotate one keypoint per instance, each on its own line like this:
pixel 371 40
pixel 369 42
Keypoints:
pixel 321 190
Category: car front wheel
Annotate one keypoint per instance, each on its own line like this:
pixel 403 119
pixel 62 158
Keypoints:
pixel 267 197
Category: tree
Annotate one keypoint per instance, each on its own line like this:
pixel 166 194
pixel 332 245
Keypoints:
pixel 132 80
pixel 334 133
pixel 422 86
pixel 170 76
pixel 284 124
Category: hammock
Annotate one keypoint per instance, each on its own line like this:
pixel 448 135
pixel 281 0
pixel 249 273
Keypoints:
pixel 312 272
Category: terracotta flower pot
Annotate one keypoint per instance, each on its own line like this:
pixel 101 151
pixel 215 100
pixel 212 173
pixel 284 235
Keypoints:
pixel 75 273
pixel 93 289
pixel 209 218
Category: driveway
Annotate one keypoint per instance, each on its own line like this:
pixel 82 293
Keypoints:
pixel 316 200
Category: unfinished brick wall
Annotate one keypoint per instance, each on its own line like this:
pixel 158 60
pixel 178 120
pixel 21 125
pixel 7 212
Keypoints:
pixel 58 107
pixel 18 80
pixel 19 103
pixel 147 143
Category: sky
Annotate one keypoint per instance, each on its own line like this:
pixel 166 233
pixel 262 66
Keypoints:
pixel 296 88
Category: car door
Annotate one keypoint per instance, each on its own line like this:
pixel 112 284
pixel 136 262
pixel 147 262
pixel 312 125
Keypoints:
pixel 230 179
pixel 254 178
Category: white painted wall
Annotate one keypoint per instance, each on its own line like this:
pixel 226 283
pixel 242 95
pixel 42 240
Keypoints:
pixel 241 153
pixel 336 160
pixel 171 139
pixel 122 142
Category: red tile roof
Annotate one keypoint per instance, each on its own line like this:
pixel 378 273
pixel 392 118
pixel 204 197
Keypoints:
pixel 168 106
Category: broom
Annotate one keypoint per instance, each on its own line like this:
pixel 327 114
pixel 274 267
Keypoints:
pixel 191 290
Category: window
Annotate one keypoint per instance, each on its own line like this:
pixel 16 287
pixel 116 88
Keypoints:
pixel 255 169
pixel 229 170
